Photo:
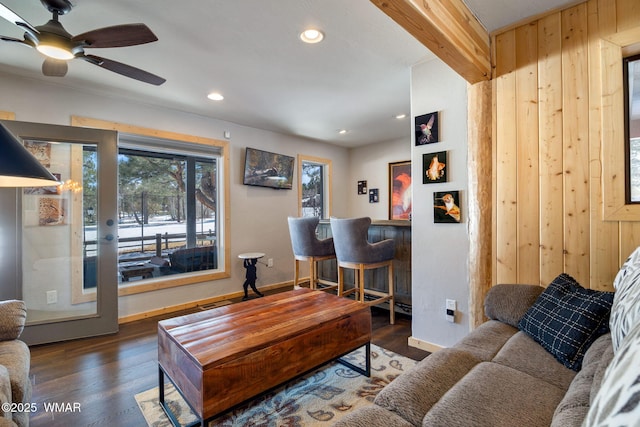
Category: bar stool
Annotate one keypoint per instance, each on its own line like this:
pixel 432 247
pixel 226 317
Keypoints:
pixel 354 251
pixel 307 247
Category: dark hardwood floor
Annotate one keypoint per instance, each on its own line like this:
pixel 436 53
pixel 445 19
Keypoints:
pixel 101 375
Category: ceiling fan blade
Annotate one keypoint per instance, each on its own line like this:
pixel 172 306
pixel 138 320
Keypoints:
pixel 12 39
pixel 117 36
pixel 54 67
pixel 15 19
pixel 124 69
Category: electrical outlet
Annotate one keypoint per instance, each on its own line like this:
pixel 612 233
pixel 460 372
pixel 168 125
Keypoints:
pixel 52 297
pixel 451 310
pixel 270 262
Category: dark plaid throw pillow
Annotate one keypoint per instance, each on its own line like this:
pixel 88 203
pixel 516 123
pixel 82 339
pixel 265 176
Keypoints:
pixel 567 318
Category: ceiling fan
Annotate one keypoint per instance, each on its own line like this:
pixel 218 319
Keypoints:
pixel 52 40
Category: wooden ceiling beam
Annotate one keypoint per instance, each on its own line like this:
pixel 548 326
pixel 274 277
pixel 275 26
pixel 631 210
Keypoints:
pixel 449 30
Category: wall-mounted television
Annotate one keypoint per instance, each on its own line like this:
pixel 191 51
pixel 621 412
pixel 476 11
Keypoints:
pixel 265 169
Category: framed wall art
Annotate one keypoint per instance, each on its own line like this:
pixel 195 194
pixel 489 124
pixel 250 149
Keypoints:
pixel 40 150
pixel 400 198
pixel 373 195
pixel 446 207
pixel 52 211
pixel 362 187
pixel 426 129
pixel 434 167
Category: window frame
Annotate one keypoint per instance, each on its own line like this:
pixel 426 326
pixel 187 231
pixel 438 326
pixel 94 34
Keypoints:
pixel 627 126
pixel 224 239
pixel 613 50
pixel 327 196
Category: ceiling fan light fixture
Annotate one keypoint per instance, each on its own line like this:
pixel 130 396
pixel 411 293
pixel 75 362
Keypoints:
pixel 311 35
pixel 55 52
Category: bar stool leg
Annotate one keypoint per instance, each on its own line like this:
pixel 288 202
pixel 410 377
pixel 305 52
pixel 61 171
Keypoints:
pixel 361 282
pixel 392 316
pixel 313 280
pixel 296 272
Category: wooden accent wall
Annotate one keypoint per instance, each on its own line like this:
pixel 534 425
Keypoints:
pixel 548 145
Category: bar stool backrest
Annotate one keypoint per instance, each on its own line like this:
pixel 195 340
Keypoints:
pixel 350 239
pixel 304 240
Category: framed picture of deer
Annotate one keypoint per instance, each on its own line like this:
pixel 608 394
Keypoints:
pixel 434 167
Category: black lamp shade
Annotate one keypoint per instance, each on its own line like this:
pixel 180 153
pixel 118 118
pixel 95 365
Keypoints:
pixel 18 167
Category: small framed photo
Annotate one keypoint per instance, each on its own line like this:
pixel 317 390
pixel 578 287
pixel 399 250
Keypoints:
pixel 434 167
pixel 426 129
pixel 373 196
pixel 362 187
pixel 446 207
pixel 40 150
pixel 52 211
pixel 400 197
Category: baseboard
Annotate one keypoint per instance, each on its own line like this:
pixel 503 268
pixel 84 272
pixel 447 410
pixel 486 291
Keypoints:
pixel 195 304
pixel 424 345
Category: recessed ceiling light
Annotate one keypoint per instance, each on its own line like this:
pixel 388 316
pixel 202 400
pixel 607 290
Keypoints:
pixel 401 116
pixel 311 36
pixel 342 131
pixel 215 96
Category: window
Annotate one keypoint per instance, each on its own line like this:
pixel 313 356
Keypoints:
pixel 166 214
pixel 172 207
pixel 314 187
pixel 631 69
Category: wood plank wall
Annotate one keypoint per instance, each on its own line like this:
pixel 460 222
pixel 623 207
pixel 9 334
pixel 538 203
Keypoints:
pixel 547 145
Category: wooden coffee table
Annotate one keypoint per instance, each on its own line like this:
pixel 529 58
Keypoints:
pixel 222 357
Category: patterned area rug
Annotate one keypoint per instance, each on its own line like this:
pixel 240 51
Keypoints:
pixel 319 398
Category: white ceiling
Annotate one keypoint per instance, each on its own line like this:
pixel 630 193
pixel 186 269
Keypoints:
pixel 356 79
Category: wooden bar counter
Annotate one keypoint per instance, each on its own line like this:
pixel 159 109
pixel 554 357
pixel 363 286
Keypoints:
pixel 221 357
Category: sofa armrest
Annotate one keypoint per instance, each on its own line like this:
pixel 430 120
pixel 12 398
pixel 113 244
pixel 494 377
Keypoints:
pixel 13 315
pixel 509 303
pixel 5 395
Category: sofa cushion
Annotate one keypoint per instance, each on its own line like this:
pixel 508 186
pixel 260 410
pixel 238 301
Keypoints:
pixel 525 355
pixel 509 303
pixel 617 403
pixel 625 312
pixel 493 395
pixel 13 314
pixel 5 393
pixel 16 357
pixel 573 408
pixel 598 376
pixel 486 340
pixel 567 318
pixel 413 393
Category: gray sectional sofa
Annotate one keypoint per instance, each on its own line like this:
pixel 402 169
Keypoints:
pixel 556 356
pixel 15 360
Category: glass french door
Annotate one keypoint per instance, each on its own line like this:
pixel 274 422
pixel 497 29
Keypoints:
pixel 66 236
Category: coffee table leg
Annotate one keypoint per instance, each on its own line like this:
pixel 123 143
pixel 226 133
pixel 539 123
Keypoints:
pixel 165 407
pixel 367 370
